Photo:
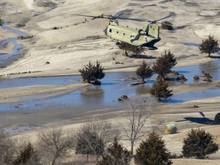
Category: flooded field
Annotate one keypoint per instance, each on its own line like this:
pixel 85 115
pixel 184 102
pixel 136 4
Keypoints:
pixel 194 95
pixel 113 86
pixel 212 67
pixel 16 51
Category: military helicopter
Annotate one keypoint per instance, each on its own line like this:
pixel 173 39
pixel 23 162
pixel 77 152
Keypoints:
pixel 124 35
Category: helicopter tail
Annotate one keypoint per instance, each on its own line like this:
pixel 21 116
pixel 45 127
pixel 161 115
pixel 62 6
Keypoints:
pixel 153 30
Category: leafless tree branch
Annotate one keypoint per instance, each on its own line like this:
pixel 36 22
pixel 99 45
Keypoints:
pixel 137 116
pixel 53 145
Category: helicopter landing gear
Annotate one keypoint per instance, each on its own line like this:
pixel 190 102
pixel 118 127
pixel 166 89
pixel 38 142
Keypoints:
pixel 129 49
pixel 126 53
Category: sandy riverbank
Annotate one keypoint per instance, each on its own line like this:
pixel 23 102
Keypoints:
pixel 10 95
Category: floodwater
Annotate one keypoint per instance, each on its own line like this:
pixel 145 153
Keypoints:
pixel 194 95
pixel 212 67
pixel 19 82
pixel 8 58
pixel 113 86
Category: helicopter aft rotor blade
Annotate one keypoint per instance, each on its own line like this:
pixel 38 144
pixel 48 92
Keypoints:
pixel 118 14
pixel 144 20
pixel 83 15
pixel 170 15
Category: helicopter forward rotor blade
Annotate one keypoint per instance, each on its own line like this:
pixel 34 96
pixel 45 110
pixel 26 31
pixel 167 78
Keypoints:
pixel 94 17
pixel 117 16
pixel 132 19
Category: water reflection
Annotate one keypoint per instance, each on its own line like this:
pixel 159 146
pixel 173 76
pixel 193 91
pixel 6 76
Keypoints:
pixel 142 89
pixel 92 94
pixel 211 68
pixel 194 95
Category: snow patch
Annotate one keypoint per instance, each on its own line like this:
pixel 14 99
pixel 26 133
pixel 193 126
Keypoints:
pixel 208 13
pixel 29 4
pixel 203 31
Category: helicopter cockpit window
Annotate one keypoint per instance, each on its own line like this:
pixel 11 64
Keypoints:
pixel 110 30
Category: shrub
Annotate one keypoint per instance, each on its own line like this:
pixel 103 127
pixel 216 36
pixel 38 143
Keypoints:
pixel 170 58
pixel 115 155
pixel 207 77
pixel 27 156
pixel 198 144
pixel 152 151
pixel 209 46
pixel 164 64
pixel 89 143
pixel 144 71
pixel 92 73
pixel 160 89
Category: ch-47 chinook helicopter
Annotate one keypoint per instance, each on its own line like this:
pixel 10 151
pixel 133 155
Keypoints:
pixel 139 38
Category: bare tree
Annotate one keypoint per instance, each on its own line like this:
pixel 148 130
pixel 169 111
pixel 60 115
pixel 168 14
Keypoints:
pixel 89 143
pixel 104 129
pixel 53 145
pixel 137 117
pixel 93 137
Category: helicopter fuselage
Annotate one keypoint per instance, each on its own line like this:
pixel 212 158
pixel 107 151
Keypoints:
pixel 146 37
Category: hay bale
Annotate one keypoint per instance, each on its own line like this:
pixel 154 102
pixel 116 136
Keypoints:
pixel 171 128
